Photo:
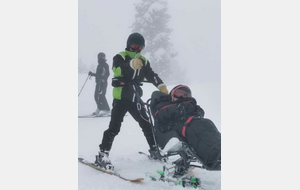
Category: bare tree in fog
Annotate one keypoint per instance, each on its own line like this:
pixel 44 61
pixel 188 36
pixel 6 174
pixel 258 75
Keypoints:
pixel 151 20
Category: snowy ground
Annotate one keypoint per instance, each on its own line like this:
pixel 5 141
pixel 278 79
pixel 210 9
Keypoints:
pixel 124 154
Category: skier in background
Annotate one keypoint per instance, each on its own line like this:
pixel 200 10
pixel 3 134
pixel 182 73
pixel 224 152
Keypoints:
pixel 130 68
pixel 101 77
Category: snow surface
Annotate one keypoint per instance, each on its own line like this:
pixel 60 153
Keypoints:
pixel 124 153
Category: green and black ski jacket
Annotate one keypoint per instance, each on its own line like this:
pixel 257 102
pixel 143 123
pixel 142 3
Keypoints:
pixel 123 72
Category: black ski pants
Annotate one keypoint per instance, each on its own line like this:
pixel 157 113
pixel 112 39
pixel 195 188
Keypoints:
pixel 120 108
pixel 99 96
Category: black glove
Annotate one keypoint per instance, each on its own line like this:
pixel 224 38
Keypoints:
pixel 200 111
pixel 91 73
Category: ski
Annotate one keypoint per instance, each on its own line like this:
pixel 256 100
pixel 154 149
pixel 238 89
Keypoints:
pixel 83 161
pixel 92 116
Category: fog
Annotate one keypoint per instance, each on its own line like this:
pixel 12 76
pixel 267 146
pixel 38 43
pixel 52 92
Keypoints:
pixel 196 24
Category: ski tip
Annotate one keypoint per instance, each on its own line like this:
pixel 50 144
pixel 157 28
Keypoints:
pixel 137 180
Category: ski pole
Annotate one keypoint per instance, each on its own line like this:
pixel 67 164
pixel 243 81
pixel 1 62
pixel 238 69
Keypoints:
pixel 84 84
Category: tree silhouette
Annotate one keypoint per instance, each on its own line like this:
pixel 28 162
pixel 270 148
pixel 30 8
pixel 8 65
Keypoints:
pixel 151 20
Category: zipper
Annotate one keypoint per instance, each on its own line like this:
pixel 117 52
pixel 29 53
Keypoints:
pixel 138 72
pixel 155 79
pixel 133 93
pixel 134 74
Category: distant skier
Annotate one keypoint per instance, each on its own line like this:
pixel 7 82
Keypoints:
pixel 130 68
pixel 101 76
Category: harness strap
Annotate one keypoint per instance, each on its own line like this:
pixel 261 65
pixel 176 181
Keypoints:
pixel 169 106
pixel 185 124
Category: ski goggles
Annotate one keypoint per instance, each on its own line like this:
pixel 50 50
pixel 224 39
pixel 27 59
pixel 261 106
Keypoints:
pixel 181 92
pixel 137 48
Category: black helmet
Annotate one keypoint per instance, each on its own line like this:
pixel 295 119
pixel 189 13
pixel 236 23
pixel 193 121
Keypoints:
pixel 101 55
pixel 135 38
pixel 180 91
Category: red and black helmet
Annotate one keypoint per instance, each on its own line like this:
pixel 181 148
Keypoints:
pixel 180 91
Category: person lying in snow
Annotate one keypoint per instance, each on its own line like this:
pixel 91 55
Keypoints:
pixel 179 111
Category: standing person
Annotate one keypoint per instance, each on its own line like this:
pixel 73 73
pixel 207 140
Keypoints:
pixel 101 76
pixel 130 68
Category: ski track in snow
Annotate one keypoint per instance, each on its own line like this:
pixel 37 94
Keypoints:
pixel 124 154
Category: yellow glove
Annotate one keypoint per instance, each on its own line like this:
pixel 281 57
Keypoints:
pixel 137 63
pixel 164 89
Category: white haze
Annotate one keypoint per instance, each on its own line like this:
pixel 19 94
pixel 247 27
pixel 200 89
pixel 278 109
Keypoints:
pixel 105 26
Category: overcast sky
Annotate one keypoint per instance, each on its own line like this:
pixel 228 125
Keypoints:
pixel 104 26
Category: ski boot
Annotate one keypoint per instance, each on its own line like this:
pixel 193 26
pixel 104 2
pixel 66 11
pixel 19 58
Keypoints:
pixel 155 155
pixel 104 113
pixel 96 112
pixel 103 161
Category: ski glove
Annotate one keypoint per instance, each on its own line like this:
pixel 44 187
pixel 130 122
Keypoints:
pixel 136 63
pixel 91 73
pixel 200 111
pixel 163 89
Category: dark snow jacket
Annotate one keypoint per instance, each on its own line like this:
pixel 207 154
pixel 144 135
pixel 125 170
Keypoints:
pixel 125 75
pixel 187 119
pixel 102 72
pixel 170 115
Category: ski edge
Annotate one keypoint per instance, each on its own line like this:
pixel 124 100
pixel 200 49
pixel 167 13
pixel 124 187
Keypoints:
pixel 93 116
